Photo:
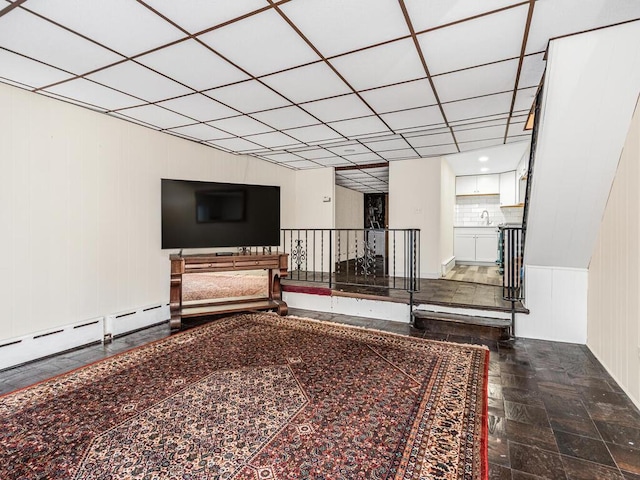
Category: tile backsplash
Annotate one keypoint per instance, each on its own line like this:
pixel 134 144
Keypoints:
pixel 470 207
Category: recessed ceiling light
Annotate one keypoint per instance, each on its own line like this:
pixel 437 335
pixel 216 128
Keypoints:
pixel 483 159
pixel 484 169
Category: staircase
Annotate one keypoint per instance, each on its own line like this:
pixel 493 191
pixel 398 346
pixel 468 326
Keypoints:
pixel 489 328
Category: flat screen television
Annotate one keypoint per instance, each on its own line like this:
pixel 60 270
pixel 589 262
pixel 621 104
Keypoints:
pixel 211 214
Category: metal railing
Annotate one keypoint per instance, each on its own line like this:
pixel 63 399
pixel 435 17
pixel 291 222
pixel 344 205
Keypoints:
pixel 512 249
pixel 385 258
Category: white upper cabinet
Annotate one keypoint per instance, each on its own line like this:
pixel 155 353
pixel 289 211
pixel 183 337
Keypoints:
pixel 478 185
pixel 466 185
pixel 508 189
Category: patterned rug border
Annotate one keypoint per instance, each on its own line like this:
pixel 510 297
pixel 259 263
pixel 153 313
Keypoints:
pixel 383 332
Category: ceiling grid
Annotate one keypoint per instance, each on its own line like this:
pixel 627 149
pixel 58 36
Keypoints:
pixel 304 84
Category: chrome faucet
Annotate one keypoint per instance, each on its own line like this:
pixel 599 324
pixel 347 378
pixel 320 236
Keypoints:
pixel 482 216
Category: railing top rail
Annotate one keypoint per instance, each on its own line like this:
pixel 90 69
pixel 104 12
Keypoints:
pixel 353 229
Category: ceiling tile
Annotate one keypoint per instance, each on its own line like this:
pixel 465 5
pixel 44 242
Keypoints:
pixel 51 45
pixel 437 150
pixel 352 148
pixel 194 65
pixel 94 94
pixel 474 82
pixel 336 26
pixel 525 99
pixel 313 134
pixel 314 153
pixel 201 131
pixel 156 116
pixel 468 146
pixel 399 97
pixel 430 140
pixel 488 121
pixel 333 162
pixel 384 145
pixel 478 107
pixel 199 107
pixel 517 128
pixel 235 144
pixel 261 44
pixel 303 164
pixel 29 72
pixel 240 126
pixel 416 117
pixel 380 66
pixel 482 40
pixel 122 25
pixel 303 84
pixel 359 126
pixel 364 158
pixel 533 67
pixel 405 153
pixel 432 130
pixel 281 157
pixel 136 80
pixel 198 15
pixel 434 13
pixel 273 139
pixel 248 97
pixel 519 138
pixel 481 133
pixel 287 117
pixel 555 18
pixel 338 108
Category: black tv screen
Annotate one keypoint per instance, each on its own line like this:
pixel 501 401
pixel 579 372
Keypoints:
pixel 210 214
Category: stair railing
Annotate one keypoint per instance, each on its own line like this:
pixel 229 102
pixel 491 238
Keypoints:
pixel 378 258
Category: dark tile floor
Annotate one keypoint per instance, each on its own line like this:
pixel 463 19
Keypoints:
pixel 554 413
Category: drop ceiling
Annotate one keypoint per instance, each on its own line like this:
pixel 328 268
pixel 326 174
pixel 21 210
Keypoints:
pixel 351 84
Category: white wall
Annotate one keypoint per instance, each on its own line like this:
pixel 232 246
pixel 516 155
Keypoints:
pixel 349 208
pixel 447 206
pixel 614 274
pixel 311 187
pixel 80 209
pixel 591 85
pixel 557 300
pixel 415 202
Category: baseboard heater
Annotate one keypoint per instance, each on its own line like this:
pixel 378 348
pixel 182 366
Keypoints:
pixel 448 265
pixel 20 350
pixel 132 320
pixel 17 351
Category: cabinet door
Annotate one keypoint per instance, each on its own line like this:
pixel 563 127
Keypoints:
pixel 508 188
pixel 488 184
pixel 464 247
pixel 466 185
pixel 487 247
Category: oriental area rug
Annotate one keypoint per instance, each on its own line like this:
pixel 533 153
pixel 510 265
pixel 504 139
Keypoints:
pixel 257 397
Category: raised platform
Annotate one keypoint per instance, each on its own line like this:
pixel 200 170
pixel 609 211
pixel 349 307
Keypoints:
pixel 457 324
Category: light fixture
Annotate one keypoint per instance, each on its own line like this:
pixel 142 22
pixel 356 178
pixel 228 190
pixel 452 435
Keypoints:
pixel 483 159
pixel 484 169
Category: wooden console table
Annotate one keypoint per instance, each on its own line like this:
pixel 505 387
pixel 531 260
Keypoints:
pixel 275 263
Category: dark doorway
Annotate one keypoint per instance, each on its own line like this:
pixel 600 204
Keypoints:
pixel 375 210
